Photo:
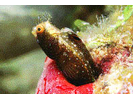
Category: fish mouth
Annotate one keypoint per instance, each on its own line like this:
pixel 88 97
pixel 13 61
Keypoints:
pixel 34 32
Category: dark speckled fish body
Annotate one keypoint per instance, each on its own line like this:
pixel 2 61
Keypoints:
pixel 69 52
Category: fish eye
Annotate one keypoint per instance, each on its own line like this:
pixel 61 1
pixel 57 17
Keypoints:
pixel 76 38
pixel 40 29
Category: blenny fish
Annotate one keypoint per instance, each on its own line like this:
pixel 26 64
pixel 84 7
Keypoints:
pixel 68 51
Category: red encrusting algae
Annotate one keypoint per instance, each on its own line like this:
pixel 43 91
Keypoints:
pixel 53 82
